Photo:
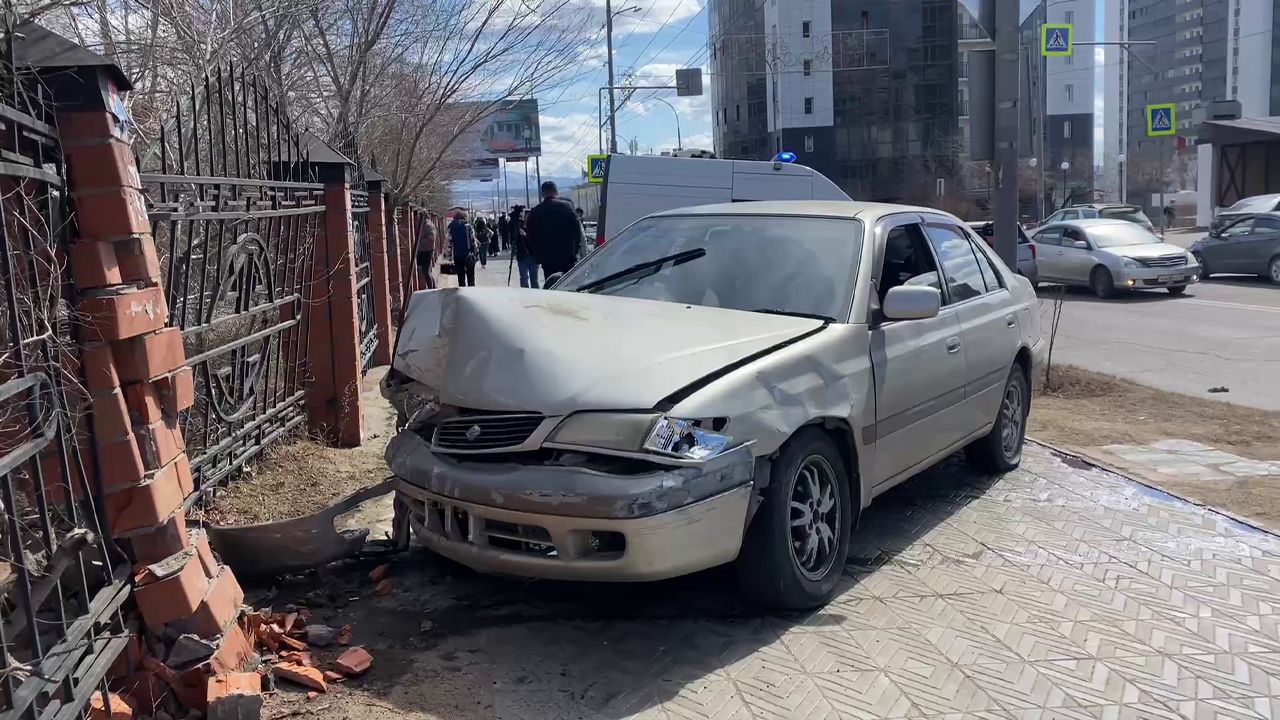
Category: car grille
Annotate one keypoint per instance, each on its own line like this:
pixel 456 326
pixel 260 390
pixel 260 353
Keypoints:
pixel 485 432
pixel 1164 261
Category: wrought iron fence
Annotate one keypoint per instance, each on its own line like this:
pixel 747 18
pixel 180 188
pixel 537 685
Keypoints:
pixel 235 211
pixel 62 581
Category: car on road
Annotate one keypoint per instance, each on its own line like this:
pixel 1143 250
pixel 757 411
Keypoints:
pixel 1027 266
pixel 729 383
pixel 1108 256
pixel 1249 246
pixel 1247 207
pixel 1109 211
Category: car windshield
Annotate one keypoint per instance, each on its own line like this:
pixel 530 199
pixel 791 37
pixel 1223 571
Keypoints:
pixel 1128 214
pixel 1120 235
pixel 1257 203
pixel 776 264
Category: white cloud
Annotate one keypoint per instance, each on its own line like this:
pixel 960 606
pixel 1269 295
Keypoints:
pixel 651 16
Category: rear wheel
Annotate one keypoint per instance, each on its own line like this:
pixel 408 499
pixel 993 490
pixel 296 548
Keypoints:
pixel 1001 449
pixel 795 549
pixel 1273 270
pixel 1177 290
pixel 1101 283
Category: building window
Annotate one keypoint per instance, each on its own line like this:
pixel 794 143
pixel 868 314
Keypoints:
pixel 805 29
pixel 808 106
pixel 737 112
pixel 746 150
pixel 1071 92
pixel 866 20
pixel 1066 130
pixel 808 143
pixel 808 68
pixel 1069 17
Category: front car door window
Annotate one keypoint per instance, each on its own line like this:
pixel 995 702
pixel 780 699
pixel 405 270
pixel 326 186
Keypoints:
pixel 919 365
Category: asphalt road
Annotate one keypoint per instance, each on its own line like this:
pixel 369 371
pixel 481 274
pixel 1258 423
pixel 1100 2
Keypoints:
pixel 1222 333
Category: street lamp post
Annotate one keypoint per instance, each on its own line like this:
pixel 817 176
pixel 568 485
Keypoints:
pixel 679 141
pixel 1065 166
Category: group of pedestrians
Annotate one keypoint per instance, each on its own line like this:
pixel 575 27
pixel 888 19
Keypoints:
pixel 548 238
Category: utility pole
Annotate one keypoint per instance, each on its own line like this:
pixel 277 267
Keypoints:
pixel 608 39
pixel 1005 116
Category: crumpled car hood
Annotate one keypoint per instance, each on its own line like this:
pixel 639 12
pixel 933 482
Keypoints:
pixel 513 349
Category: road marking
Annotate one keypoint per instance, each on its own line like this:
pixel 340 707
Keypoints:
pixel 1238 306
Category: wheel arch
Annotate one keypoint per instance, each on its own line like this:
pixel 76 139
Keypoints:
pixel 841 434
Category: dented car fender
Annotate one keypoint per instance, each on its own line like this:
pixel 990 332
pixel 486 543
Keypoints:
pixel 825 376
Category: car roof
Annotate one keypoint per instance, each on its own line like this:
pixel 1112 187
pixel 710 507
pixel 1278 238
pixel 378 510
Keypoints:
pixel 1268 196
pixel 1100 206
pixel 1087 223
pixel 866 211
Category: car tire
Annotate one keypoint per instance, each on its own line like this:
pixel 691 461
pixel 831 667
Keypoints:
pixel 1177 289
pixel 1000 450
pixel 771 571
pixel 1101 283
pixel 1205 274
pixel 1273 270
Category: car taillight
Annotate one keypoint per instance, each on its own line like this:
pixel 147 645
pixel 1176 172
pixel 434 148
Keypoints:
pixel 600 238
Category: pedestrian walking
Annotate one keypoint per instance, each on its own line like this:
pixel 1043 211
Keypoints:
pixel 462 240
pixel 426 246
pixel 483 234
pixel 1169 215
pixel 503 236
pixel 525 259
pixel 555 233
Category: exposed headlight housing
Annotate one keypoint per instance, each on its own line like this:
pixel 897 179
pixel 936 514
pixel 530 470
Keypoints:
pixel 1191 259
pixel 683 438
pixel 1129 263
pixel 640 433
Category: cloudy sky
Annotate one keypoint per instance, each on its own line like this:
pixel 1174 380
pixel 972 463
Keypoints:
pixel 650 43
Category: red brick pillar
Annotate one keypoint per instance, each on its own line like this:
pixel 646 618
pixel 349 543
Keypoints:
pixel 406 222
pixel 333 345
pixel 380 269
pixel 391 223
pixel 136 374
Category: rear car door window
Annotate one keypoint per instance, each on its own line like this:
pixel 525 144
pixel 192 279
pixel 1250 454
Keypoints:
pixel 1070 215
pixel 959 266
pixel 1052 236
pixel 989 276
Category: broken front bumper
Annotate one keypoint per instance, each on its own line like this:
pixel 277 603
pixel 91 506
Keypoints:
pixel 572 523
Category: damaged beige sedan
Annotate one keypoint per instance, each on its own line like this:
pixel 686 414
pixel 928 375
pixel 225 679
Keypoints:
pixel 720 384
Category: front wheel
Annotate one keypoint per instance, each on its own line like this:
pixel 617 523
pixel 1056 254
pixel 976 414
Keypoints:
pixel 795 549
pixel 1001 449
pixel 1101 283
pixel 1205 274
pixel 1177 290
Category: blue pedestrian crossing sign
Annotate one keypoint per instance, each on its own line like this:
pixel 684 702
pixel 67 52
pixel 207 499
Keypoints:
pixel 1055 39
pixel 595 168
pixel 1162 120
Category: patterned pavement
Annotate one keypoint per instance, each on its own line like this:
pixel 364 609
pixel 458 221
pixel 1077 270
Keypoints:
pixel 1052 592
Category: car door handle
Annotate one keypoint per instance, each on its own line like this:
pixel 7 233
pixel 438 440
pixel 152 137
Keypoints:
pixel 1010 321
pixel 953 345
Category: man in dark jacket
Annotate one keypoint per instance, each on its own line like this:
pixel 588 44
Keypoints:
pixel 462 241
pixel 555 234
pixel 503 235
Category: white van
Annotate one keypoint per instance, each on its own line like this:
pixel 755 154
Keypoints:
pixel 639 185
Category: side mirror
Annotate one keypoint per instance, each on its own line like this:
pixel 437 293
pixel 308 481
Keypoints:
pixel 912 302
pixel 552 279
pixel 1080 245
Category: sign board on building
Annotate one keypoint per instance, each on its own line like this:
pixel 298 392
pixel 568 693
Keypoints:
pixel 688 82
pixel 509 130
pixel 1162 120
pixel 1055 39
pixel 595 168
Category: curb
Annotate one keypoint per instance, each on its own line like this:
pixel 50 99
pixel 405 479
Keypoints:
pixel 1131 476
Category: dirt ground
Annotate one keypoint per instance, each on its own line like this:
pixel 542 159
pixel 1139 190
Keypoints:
pixel 298 477
pixel 1085 411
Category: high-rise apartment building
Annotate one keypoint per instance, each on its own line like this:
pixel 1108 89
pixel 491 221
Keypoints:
pixel 864 91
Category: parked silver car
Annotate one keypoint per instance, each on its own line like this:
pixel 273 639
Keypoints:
pixel 1246 207
pixel 719 384
pixel 1250 246
pixel 1111 255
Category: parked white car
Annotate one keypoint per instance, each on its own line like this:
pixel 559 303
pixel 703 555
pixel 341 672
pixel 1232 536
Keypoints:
pixel 727 383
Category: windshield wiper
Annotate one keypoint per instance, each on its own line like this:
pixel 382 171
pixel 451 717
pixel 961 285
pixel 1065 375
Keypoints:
pixel 674 259
pixel 795 313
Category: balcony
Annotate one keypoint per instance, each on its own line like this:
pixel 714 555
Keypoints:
pixel 971 31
